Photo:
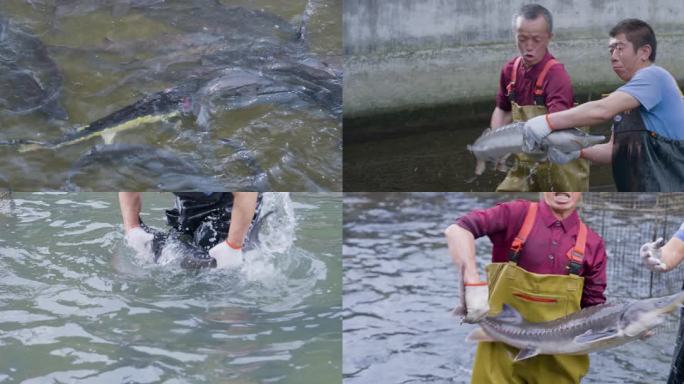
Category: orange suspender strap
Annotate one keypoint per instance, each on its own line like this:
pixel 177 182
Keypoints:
pixel 521 237
pixel 576 253
pixel 538 91
pixel 510 88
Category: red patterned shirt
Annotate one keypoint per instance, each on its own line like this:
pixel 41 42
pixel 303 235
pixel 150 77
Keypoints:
pixel 547 244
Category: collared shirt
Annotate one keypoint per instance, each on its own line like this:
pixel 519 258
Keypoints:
pixel 557 86
pixel 547 244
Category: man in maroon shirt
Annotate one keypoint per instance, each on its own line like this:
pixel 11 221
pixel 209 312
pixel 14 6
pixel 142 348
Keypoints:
pixel 530 85
pixel 545 263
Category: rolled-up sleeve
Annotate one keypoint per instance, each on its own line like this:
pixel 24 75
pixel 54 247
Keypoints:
pixel 502 100
pixel 484 222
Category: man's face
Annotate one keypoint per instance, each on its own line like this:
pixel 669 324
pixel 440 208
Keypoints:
pixel 562 203
pixel 533 39
pixel 624 60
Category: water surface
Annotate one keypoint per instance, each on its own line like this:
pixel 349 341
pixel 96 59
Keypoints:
pixel 96 57
pixel 427 151
pixel 77 306
pixel 400 287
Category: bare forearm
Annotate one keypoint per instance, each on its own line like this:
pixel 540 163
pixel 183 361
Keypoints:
pixel 599 154
pixel 593 112
pixel 461 245
pixel 500 118
pixel 590 113
pixel 244 206
pixel 130 203
pixel 673 253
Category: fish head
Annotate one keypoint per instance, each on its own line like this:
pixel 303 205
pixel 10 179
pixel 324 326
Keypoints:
pixel 480 164
pixel 643 315
pixel 571 139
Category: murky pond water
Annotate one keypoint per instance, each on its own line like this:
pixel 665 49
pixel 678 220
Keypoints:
pixel 427 152
pixel 248 103
pixel 76 306
pixel 400 286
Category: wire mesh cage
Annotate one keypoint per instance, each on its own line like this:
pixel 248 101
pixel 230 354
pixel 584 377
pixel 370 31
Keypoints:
pixel 625 221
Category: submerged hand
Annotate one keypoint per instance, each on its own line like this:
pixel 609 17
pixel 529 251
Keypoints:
pixel 141 242
pixel 535 130
pixel 226 256
pixel 557 156
pixel 650 255
pixel 476 302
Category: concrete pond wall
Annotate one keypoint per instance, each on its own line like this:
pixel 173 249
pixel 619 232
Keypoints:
pixel 412 54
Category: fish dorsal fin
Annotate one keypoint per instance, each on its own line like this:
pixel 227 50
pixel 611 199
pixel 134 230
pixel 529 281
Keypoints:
pixel 509 315
pixel 526 353
pixel 108 137
pixel 479 335
pixel 591 336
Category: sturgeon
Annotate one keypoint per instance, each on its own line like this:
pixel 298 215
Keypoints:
pixel 230 88
pixel 246 57
pixel 496 145
pixel 591 329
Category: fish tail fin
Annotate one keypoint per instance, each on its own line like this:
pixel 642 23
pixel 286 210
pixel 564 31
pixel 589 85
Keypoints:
pixel 253 237
pixel 480 167
pixel 304 22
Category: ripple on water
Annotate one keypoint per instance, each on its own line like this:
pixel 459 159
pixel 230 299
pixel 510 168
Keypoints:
pixel 73 296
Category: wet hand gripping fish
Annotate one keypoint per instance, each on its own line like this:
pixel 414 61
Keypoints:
pixel 592 329
pixel 496 145
pixel 192 255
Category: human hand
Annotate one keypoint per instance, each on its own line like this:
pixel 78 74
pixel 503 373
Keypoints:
pixel 650 255
pixel 557 156
pixel 647 334
pixel 534 131
pixel 141 242
pixel 226 256
pixel 476 302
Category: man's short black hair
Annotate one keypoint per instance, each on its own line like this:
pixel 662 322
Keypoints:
pixel 637 32
pixel 531 12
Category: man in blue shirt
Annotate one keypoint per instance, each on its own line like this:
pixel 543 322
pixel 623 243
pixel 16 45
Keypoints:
pixel 646 148
pixel 662 258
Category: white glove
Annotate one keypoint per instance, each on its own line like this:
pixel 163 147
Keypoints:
pixel 650 255
pixel 226 256
pixel 141 242
pixel 555 155
pixel 477 302
pixel 535 130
